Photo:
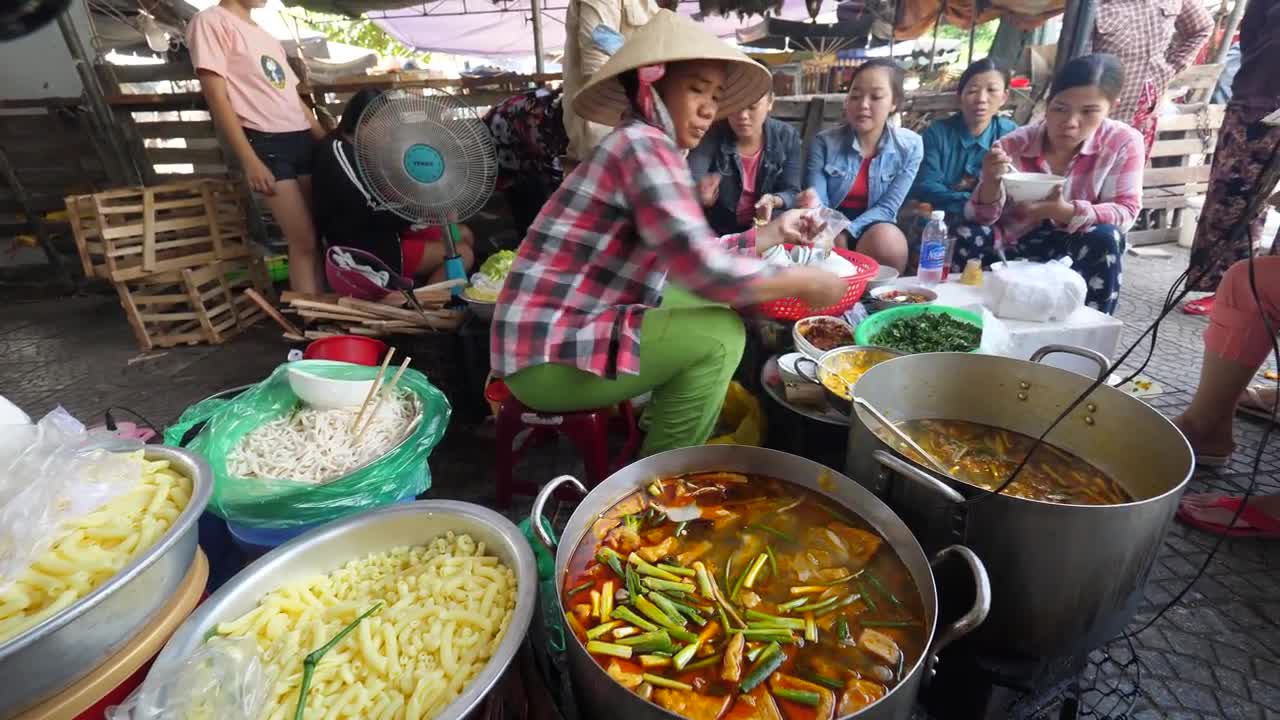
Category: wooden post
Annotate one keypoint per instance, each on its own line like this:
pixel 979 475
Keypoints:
pixel 1077 28
pixel 539 64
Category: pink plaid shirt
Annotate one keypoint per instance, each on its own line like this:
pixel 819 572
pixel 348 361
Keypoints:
pixel 599 253
pixel 1154 39
pixel 1104 181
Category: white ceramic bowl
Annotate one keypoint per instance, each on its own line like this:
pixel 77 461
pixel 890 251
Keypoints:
pixel 327 394
pixel 878 295
pixel 884 276
pixel 809 348
pixel 1025 187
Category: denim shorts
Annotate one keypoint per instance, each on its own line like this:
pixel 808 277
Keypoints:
pixel 287 155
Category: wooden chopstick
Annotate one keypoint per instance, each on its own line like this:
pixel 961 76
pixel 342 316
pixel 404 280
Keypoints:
pixel 386 392
pixel 355 422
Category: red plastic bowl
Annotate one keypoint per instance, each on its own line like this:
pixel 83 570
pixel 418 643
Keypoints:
pixel 792 308
pixel 347 348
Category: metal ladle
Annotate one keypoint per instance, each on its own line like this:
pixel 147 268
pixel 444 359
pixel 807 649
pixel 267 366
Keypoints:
pixel 905 438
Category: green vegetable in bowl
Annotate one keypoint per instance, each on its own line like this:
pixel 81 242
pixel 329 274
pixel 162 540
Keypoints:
pixel 498 265
pixel 929 332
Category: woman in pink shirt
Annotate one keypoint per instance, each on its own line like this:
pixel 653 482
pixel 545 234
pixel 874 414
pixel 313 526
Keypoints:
pixel 1087 218
pixel 253 98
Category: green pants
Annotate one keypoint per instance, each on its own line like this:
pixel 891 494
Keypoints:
pixel 689 350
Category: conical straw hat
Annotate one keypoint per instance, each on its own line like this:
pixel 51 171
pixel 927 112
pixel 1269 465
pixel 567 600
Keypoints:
pixel 670 37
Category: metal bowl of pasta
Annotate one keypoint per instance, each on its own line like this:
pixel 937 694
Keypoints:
pixel 71 609
pixel 429 603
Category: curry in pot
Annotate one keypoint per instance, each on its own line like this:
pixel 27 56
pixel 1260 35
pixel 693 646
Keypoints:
pixel 984 456
pixel 740 597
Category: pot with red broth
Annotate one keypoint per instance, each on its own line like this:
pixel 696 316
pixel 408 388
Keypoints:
pixel 722 595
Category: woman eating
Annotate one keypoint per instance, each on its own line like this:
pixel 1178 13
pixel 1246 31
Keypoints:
pixel 577 325
pixel 748 166
pixel 1086 217
pixel 866 167
pixel 347 215
pixel 955 146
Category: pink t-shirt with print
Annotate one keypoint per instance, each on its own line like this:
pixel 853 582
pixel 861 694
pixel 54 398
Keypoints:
pixel 746 210
pixel 262 86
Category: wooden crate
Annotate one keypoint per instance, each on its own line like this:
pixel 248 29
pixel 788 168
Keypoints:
pixel 193 305
pixel 1178 170
pixel 132 233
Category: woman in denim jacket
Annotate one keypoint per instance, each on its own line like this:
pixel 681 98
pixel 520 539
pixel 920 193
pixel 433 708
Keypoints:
pixel 748 166
pixel 868 186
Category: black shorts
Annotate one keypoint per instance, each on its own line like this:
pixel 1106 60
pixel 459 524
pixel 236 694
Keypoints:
pixel 287 155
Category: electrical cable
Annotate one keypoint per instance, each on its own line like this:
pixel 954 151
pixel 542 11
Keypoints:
pixel 110 421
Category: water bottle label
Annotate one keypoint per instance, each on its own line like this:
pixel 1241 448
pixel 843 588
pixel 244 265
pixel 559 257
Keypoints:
pixel 933 254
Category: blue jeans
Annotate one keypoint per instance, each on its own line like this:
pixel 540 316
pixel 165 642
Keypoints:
pixel 1096 254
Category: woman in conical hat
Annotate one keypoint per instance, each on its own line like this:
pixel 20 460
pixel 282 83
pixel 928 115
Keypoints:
pixel 588 317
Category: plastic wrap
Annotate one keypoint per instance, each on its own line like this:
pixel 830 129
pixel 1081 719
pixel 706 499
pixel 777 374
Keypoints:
pixel 53 473
pixel 284 503
pixel 1038 292
pixel 222 680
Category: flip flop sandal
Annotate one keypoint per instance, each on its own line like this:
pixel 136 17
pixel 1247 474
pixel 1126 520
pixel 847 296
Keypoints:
pixel 1253 403
pixel 1262 525
pixel 1203 306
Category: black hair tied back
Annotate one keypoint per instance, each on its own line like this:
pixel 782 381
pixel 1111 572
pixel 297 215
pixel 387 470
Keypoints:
pixel 1097 70
pixel 897 78
pixel 978 67
pixel 354 109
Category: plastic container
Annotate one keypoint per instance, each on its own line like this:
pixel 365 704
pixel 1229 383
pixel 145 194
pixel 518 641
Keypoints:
pixel 933 250
pixel 1190 219
pixel 255 542
pixel 112 681
pixel 347 348
pixel 869 328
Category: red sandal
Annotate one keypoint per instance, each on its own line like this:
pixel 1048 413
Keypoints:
pixel 1259 524
pixel 1203 306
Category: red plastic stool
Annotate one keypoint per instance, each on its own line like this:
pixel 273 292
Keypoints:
pixel 520 428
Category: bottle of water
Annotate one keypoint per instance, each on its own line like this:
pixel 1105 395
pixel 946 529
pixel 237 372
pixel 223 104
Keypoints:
pixel 933 249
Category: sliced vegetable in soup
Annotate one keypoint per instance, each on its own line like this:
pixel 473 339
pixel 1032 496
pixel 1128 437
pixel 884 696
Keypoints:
pixel 721 595
pixel 983 455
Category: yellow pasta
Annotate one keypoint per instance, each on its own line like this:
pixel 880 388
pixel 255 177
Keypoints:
pixel 445 606
pixel 94 548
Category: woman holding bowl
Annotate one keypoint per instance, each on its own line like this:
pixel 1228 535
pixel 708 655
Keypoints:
pixel 865 168
pixel 955 146
pixel 1087 216
pixel 578 325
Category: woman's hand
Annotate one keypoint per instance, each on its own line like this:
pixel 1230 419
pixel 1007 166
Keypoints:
pixel 259 177
pixel 808 199
pixel 766 205
pixel 791 227
pixel 1055 208
pixel 995 165
pixel 817 288
pixel 709 189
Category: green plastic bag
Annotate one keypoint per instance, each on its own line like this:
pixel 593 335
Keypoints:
pixel 282 504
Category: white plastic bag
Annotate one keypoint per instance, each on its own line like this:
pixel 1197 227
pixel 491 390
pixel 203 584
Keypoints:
pixel 53 473
pixel 1038 292
pixel 222 680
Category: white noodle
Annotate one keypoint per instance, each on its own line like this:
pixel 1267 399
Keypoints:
pixel 315 446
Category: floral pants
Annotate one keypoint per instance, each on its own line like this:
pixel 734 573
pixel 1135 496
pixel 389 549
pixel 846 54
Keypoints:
pixel 1245 146
pixel 1096 254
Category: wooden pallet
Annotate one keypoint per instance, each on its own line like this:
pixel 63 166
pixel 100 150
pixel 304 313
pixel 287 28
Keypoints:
pixel 1177 171
pixel 128 234
pixel 193 305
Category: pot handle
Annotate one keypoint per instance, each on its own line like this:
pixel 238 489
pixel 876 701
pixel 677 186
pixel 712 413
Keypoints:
pixel 981 601
pixel 920 477
pixel 811 376
pixel 535 515
pixel 1104 365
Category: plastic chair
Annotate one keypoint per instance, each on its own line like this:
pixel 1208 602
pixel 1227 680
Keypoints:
pixel 520 428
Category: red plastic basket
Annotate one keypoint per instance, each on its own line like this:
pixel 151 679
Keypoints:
pixel 794 309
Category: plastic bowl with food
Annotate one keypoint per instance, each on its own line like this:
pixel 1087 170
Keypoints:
pixel 1025 187
pixel 820 333
pixel 922 328
pixel 889 296
pixel 325 393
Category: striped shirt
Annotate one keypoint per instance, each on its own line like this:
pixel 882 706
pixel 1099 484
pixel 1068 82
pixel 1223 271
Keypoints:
pixel 597 257
pixel 1104 181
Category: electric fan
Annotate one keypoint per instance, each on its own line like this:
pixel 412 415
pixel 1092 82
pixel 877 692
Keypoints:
pixel 429 159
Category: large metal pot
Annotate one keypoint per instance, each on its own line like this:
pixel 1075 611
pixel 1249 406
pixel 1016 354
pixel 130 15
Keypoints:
pixel 1065 578
pixel 327 548
pixel 68 646
pixel 602 697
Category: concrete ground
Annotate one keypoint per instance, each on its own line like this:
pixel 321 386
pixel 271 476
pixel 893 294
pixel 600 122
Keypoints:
pixel 1215 655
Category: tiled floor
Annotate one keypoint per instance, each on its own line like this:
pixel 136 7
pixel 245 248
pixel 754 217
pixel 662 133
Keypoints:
pixel 1215 655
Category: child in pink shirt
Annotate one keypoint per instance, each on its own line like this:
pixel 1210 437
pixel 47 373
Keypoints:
pixel 253 98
